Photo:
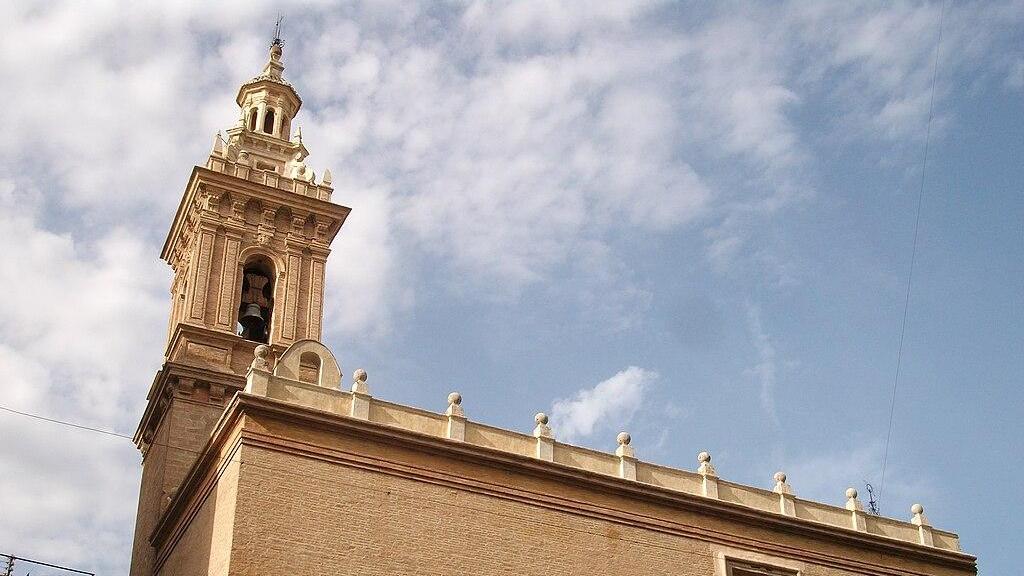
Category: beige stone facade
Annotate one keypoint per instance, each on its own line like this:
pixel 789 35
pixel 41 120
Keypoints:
pixel 259 459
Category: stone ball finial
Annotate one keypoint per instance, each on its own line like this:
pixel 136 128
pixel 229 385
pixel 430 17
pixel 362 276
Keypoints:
pixel 623 439
pixel 359 385
pixel 851 493
pixel 542 430
pixel 455 405
pixel 780 484
pixel 261 358
pixel 917 509
pixel 705 468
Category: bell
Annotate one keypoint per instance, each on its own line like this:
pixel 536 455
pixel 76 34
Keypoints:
pixel 252 320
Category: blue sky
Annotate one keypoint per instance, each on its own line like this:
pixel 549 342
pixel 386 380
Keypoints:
pixel 690 222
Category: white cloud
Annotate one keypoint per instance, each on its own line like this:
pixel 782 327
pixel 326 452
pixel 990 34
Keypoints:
pixel 362 264
pixel 510 149
pixel 610 403
pixel 66 305
pixel 503 139
pixel 766 369
pixel 82 326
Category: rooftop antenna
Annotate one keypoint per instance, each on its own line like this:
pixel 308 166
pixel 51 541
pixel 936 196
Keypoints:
pixel 872 502
pixel 277 31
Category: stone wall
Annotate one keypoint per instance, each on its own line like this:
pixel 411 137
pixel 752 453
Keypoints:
pixel 326 481
pixel 205 546
pixel 180 436
pixel 623 463
pixel 311 501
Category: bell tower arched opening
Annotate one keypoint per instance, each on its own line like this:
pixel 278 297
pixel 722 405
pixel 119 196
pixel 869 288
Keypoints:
pixel 256 305
pixel 268 122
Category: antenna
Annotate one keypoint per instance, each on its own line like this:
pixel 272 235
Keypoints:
pixel 277 31
pixel 872 503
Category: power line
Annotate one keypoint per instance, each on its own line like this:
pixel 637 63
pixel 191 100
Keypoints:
pixel 913 254
pixel 12 558
pixel 448 503
pixel 72 424
pixel 386 492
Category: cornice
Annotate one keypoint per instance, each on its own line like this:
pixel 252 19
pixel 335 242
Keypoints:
pixel 163 389
pixel 204 176
pixel 272 86
pixel 243 404
pixel 171 371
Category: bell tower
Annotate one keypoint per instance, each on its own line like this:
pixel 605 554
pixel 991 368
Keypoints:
pixel 248 246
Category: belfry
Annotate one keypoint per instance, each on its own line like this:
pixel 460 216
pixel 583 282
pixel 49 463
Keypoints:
pixel 248 247
pixel 258 459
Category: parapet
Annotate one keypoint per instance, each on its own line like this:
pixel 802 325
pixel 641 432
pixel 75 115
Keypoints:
pixel 322 392
pixel 270 178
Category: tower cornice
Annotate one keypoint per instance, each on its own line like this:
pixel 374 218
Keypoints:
pixel 273 86
pixel 205 183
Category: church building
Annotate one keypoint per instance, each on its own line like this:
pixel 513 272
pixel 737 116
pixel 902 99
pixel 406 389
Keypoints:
pixel 259 458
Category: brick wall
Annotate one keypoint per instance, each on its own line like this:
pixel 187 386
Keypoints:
pixel 181 434
pixel 205 548
pixel 311 501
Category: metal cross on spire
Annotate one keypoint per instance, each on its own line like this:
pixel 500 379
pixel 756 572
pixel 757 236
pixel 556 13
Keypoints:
pixel 277 31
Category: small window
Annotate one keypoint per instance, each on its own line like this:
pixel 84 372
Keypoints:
pixel 309 368
pixel 748 569
pixel 252 120
pixel 268 121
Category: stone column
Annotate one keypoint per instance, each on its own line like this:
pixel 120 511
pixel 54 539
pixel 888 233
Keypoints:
pixel 261 114
pixel 277 123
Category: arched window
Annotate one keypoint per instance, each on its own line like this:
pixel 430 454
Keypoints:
pixel 252 120
pixel 309 368
pixel 256 306
pixel 268 121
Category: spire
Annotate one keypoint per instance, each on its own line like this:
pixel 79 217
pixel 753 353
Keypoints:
pixel 264 137
pixel 271 82
pixel 269 103
pixel 277 30
pixel 274 67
